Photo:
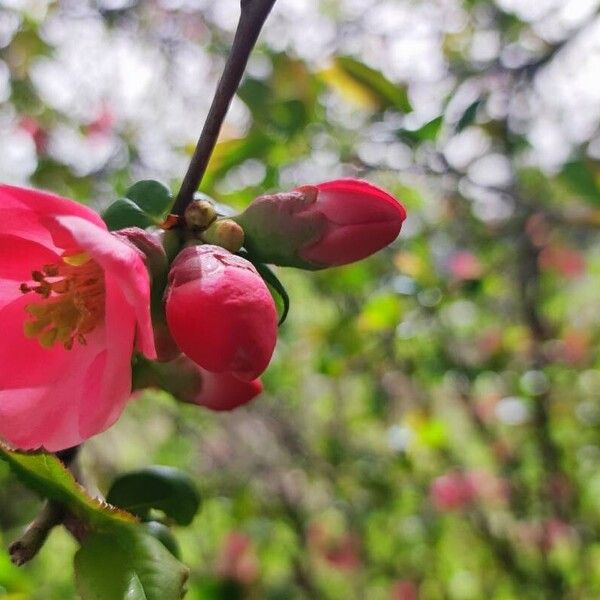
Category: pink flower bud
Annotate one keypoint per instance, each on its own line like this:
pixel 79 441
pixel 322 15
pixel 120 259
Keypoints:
pixel 220 312
pixel 314 227
pixel 188 382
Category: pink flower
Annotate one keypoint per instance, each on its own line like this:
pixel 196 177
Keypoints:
pixel 325 225
pixel 456 490
pixel 74 301
pixel 190 383
pixel 237 559
pixel 465 266
pixel 220 312
pixel 223 391
pixel 341 551
pixel 404 589
pixel 452 491
pixel 568 262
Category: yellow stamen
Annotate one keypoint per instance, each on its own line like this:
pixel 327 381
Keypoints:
pixel 72 303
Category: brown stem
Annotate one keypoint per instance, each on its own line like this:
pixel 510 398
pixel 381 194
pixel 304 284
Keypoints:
pixel 51 514
pixel 253 15
pixel 29 544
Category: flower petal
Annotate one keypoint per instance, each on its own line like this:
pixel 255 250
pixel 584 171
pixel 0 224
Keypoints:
pixel 365 240
pixel 23 212
pixel 108 380
pixel 351 201
pixel 119 261
pixel 224 391
pixel 19 258
pixel 38 385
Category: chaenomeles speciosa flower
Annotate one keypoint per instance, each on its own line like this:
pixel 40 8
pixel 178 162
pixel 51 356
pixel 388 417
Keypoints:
pixel 190 383
pixel 220 312
pixel 74 305
pixel 325 225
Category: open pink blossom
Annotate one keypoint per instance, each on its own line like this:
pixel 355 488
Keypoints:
pixel 220 312
pixel 325 225
pixel 74 301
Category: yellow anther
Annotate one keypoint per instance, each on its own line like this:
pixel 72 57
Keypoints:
pixel 76 260
pixel 72 303
pixel 47 338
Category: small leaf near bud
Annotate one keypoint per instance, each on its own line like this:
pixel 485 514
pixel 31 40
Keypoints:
pixel 200 214
pixel 225 233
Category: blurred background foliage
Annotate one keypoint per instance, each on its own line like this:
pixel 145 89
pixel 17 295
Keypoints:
pixel 431 421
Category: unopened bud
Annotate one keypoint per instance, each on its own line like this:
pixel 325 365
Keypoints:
pixel 149 245
pixel 325 225
pixel 225 233
pixel 220 312
pixel 199 214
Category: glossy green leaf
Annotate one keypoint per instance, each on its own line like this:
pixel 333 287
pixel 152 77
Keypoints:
pixel 389 94
pixel 164 535
pixel 146 203
pixel 128 564
pixel 151 196
pixel 46 475
pixel 157 487
pixel 126 213
pixel 277 289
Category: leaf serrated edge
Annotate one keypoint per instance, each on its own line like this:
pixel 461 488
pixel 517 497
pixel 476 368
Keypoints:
pixel 78 502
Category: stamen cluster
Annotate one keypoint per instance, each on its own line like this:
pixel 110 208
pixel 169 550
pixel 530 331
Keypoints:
pixel 72 305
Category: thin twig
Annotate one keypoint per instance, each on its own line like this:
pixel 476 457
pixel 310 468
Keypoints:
pixel 51 514
pixel 29 544
pixel 253 15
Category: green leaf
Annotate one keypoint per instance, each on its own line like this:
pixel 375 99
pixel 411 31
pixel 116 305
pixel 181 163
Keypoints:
pixel 126 213
pixel 128 564
pixel 46 475
pixel 146 203
pixel 468 117
pixel 427 132
pixel 281 297
pixel 582 178
pixel 163 488
pixel 389 94
pixel 152 197
pixel 164 535
pixel 277 289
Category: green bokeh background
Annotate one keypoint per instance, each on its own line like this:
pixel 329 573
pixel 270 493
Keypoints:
pixel 470 345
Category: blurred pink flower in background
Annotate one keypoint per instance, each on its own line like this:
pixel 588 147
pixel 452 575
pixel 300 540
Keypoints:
pixel 404 590
pixel 568 262
pixel 340 551
pixel 237 559
pixel 74 302
pixel 465 266
pixel 456 490
pixel 451 491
